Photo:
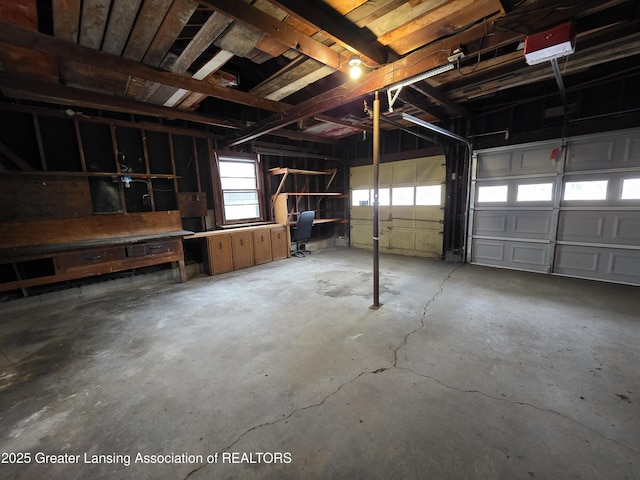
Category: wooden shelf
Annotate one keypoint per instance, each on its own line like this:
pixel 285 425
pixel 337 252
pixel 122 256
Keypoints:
pixel 317 194
pixel 279 199
pixel 286 170
pixel 87 174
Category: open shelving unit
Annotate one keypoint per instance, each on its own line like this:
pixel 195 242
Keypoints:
pixel 288 203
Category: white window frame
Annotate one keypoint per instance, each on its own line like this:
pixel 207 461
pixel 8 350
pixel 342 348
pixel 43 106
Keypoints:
pixel 576 197
pixel 222 211
pixel 439 204
pixel 633 192
pixel 495 188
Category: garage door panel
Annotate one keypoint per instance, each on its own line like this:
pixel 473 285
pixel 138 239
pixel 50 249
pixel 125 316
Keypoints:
pixel 526 161
pixel 402 239
pixel 519 255
pixel 588 156
pixel 361 213
pixel 577 260
pixel 514 224
pixel 361 176
pixel 616 265
pixel 361 234
pixel 428 244
pixel 609 151
pixel 632 156
pixel 490 223
pixel 495 165
pixel 430 168
pixel 533 255
pixel 626 228
pixel 532 224
pixel 625 264
pixel 402 172
pixel 580 226
pixel 608 227
pixel 533 161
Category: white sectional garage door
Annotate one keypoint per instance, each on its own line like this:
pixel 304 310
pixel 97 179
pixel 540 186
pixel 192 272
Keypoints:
pixel 576 215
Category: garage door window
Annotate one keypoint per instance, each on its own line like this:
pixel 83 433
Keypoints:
pixel 536 192
pixel 589 190
pixel 364 197
pixel 497 193
pixel 429 195
pixel 402 196
pixel 631 189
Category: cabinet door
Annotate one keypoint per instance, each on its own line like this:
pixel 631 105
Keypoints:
pixel 280 247
pixel 262 246
pixel 219 252
pixel 242 246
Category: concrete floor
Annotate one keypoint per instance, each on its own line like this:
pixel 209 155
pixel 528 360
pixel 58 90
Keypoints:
pixel 464 373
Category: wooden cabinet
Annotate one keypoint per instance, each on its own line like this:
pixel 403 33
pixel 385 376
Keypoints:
pixel 219 255
pixel 243 247
pixel 280 243
pixel 262 246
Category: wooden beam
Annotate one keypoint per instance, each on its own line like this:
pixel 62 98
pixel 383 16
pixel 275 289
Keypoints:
pixel 212 28
pixel 420 61
pixel 410 66
pixel 13 158
pixel 443 21
pixel 23 13
pixel 432 92
pixel 291 37
pixel 66 18
pixel 15 86
pixel 93 22
pixel 339 121
pixel 177 17
pixel 147 24
pixel 123 14
pixel 13 35
pixel 337 28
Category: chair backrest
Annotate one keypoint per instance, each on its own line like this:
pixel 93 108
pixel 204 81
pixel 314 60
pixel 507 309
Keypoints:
pixel 304 224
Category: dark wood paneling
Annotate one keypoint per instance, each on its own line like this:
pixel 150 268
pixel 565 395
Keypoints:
pixel 43 197
pixel 192 204
pixel 24 234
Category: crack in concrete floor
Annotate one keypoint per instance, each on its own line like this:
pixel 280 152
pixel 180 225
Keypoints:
pixel 422 325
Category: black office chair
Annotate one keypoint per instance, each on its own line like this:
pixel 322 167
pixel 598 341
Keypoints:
pixel 302 232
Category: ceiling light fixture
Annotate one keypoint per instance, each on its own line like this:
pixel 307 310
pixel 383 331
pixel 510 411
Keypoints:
pixel 356 67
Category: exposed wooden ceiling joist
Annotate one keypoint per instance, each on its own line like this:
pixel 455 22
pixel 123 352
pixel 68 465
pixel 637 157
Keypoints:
pixel 20 87
pixel 418 62
pixel 338 28
pixel 281 31
pixel 12 35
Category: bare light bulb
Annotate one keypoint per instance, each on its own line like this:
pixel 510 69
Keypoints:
pixel 356 70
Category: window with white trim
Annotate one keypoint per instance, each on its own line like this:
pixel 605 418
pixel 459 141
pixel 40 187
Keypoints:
pixel 364 197
pixel 586 190
pixel 630 189
pixel 240 189
pixel 429 195
pixel 493 193
pixel 535 192
pixel 402 196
